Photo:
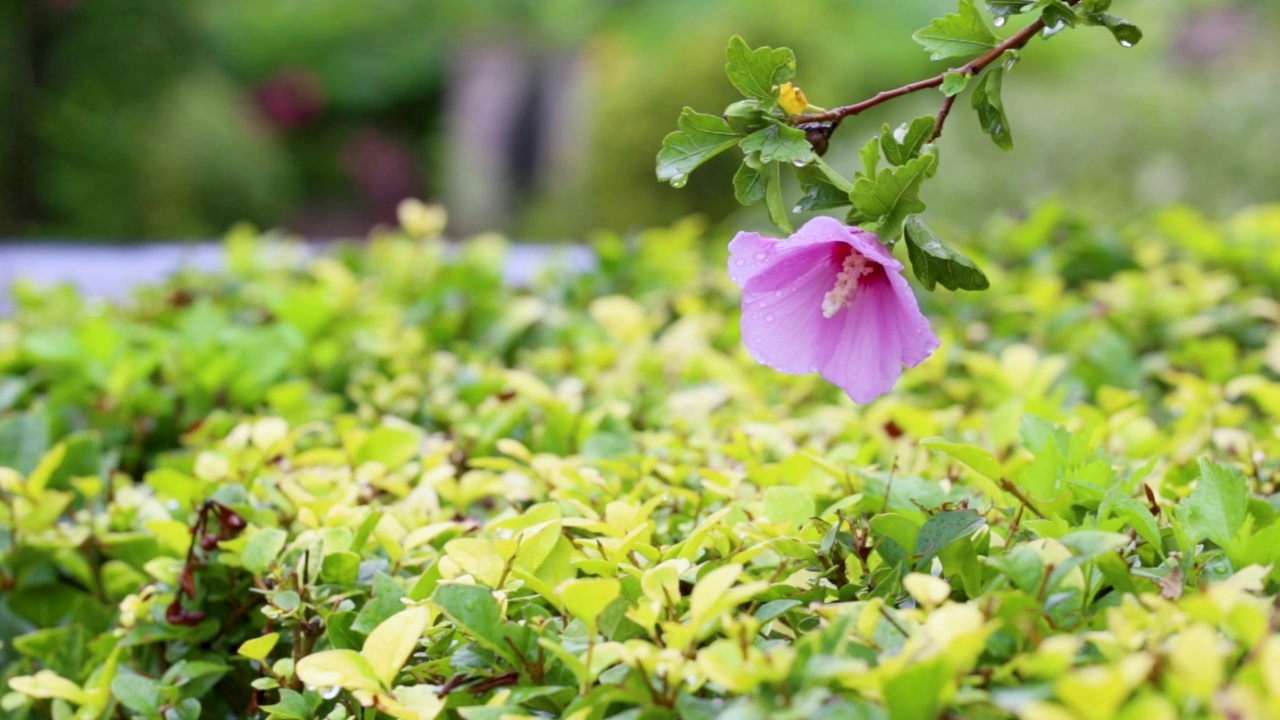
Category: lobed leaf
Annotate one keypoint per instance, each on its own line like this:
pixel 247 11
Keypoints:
pixel 893 195
pixel 698 138
pixel 936 264
pixel 960 34
pixel 779 143
pixel 987 102
pixel 756 73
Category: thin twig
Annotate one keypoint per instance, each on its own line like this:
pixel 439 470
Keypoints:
pixel 942 117
pixel 1017 492
pixel 1014 42
pixel 885 614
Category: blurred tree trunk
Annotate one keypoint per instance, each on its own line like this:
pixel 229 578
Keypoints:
pixel 514 126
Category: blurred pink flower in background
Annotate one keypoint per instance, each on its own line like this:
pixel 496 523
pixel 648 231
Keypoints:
pixel 293 97
pixel 829 299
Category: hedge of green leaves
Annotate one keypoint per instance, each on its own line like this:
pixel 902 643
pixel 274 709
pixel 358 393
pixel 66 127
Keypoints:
pixel 378 483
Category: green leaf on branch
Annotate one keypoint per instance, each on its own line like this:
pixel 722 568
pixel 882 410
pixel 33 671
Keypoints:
pixel 783 503
pixel 936 264
pixel 823 187
pixel 748 185
pixel 757 72
pixel 1002 9
pixel 916 692
pixel 1058 16
pixel 986 100
pixel 1125 32
pixel 699 138
pixel 779 143
pixel 473 609
pixel 945 528
pixel 905 143
pixel 773 201
pixel 1218 505
pixel 957 35
pixel 139 694
pixel 871 157
pixel 954 83
pixel 819 195
pixel 892 195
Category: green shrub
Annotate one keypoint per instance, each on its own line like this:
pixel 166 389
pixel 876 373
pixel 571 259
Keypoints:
pixel 378 482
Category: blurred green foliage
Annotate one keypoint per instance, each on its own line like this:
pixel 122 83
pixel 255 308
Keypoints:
pixel 379 477
pixel 148 118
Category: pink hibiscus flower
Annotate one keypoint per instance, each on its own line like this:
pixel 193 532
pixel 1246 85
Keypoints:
pixel 829 299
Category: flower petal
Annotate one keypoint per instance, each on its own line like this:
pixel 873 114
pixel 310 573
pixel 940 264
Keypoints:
pixel 863 347
pixel 870 246
pixel 826 229
pixel 749 253
pixel 821 229
pixel 876 335
pixel 918 339
pixel 782 310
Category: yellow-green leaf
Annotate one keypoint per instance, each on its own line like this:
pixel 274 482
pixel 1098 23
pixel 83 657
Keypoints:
pixel 585 599
pixel 346 669
pixel 392 642
pixel 260 647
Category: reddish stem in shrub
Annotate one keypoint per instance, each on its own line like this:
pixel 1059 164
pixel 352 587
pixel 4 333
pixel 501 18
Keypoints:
pixel 230 523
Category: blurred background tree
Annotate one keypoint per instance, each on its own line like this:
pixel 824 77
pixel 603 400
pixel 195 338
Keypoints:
pixel 129 119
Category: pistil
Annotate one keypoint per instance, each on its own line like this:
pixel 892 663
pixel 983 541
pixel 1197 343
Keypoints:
pixel 841 296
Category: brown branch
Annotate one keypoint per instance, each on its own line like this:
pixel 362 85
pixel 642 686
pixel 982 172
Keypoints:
pixel 942 117
pixel 1014 42
pixel 885 614
pixel 1022 496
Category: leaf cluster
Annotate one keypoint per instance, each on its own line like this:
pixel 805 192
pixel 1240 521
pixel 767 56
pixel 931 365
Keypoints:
pixel 880 200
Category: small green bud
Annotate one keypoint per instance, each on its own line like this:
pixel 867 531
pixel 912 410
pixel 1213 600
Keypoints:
pixel 745 116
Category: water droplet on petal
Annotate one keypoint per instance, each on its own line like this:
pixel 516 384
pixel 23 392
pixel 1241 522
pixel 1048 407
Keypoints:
pixel 739 262
pixel 768 318
pixel 1000 21
pixel 762 304
pixel 777 293
pixel 761 256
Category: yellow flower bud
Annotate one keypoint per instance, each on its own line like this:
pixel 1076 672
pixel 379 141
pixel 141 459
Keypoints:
pixel 792 99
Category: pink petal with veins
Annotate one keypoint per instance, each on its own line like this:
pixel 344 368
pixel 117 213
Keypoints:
pixel 862 347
